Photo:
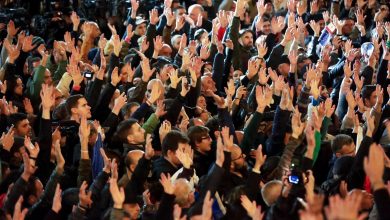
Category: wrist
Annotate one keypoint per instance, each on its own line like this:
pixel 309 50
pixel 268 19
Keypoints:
pixel 377 184
pixel 118 206
pixel 260 109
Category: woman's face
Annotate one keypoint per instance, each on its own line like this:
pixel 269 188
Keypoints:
pixel 18 90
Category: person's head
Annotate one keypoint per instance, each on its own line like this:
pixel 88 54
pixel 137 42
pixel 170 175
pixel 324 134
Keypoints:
pixel 129 109
pixel 238 163
pixel 166 50
pixel 184 193
pixel 175 41
pixel 369 95
pixel 246 38
pixel 194 11
pixel 140 28
pixel 132 209
pixel 284 66
pixel 201 35
pixel 200 139
pixel 201 102
pixel 131 160
pixel 271 192
pixel 21 124
pixel 130 132
pixel 208 84
pixel 266 24
pixel 348 26
pixel 179 11
pixel 237 74
pixel 173 141
pixel 384 10
pixel 15 86
pixel 77 107
pixel 150 86
pixel 34 191
pixel 95 28
pixel 343 145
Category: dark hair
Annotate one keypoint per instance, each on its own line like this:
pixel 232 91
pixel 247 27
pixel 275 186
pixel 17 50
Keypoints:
pixel 72 102
pixel 339 141
pixel 196 133
pixel 125 110
pixel 124 128
pixel 16 118
pixel 367 91
pixel 172 140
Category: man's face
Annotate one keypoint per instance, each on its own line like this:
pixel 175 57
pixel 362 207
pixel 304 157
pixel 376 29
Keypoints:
pixel 205 144
pixel 194 12
pixel 140 30
pixel 132 210
pixel 247 40
pixel 180 12
pixel 23 128
pixel 348 26
pixel 348 150
pixel 372 100
pixel 47 78
pixel 284 68
pixel 208 83
pixel 83 109
pixel 176 43
pixel 266 27
pixel 201 102
pixel 136 135
pixel 18 90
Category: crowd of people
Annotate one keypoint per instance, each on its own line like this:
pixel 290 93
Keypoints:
pixel 206 109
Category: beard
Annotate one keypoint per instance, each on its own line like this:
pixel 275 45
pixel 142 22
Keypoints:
pixel 243 170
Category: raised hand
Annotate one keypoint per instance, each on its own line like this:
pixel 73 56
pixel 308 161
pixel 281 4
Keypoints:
pixel 164 129
pixel 263 97
pixel 146 71
pixel 220 152
pixel 374 166
pixel 11 29
pixel 158 43
pixel 85 200
pixel 59 157
pixel 207 211
pixel 75 20
pixel 56 207
pixel 165 181
pixel 149 151
pixel 7 139
pixel 297 125
pixel 19 214
pixel 32 149
pixel 153 17
pixel 29 168
pixel 185 158
pixel 263 78
pixel 47 96
pixel 12 51
pixel 119 102
pixel 260 158
pixel 118 195
pixel 107 161
pixel 84 129
pixel 347 208
pixel 251 208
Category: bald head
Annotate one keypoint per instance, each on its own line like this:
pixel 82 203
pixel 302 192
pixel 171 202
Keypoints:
pixel 183 192
pixel 132 159
pixel 271 191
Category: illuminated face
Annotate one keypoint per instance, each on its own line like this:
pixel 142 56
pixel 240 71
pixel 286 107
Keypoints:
pixel 18 90
pixel 140 30
pixel 23 128
pixel 247 39
pixel 83 109
pixel 136 134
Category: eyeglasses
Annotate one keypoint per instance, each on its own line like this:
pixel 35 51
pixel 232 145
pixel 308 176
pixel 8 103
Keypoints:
pixel 206 137
pixel 241 156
